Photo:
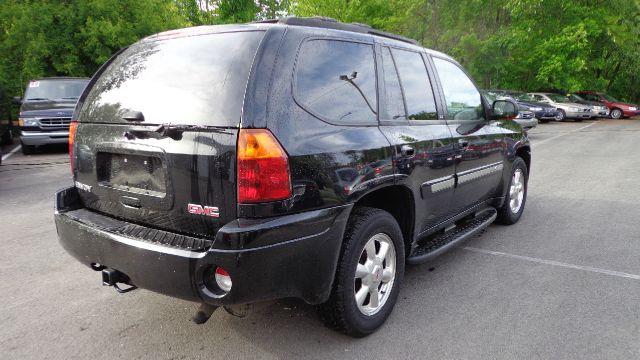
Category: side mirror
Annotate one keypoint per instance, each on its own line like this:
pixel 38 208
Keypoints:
pixel 504 110
pixel 17 100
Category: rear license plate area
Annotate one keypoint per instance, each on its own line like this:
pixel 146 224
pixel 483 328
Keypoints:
pixel 140 174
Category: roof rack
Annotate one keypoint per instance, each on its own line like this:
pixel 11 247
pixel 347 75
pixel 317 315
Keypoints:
pixel 330 23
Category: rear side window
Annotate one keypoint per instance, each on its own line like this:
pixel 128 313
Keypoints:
pixel 393 92
pixel 336 81
pixel 197 80
pixel 416 86
pixel 461 96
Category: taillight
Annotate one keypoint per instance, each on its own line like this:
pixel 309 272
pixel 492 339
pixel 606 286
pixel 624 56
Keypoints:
pixel 73 127
pixel 263 167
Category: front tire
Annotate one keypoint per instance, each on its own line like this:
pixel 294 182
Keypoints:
pixel 28 149
pixel 369 274
pixel 616 114
pixel 511 211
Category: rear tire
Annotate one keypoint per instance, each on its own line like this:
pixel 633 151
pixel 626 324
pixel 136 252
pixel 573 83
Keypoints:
pixel 28 149
pixel 361 276
pixel 511 211
pixel 561 115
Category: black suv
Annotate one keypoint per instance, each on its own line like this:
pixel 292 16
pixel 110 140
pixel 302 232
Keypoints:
pixel 291 158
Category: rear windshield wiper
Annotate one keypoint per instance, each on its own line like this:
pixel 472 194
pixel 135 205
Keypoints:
pixel 166 130
pixel 37 99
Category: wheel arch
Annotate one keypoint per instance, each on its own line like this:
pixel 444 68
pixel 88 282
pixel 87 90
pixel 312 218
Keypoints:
pixel 525 153
pixel 404 215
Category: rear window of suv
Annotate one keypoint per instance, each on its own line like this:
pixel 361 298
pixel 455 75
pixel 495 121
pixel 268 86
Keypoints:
pixel 197 80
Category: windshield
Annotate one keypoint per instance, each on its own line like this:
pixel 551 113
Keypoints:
pixel 610 98
pixel 490 95
pixel 55 89
pixel 558 98
pixel 520 96
pixel 574 97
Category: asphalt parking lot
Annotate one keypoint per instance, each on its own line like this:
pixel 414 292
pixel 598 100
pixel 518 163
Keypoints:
pixel 563 283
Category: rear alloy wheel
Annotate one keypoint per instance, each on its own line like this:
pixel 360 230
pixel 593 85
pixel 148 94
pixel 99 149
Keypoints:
pixel 369 274
pixel 616 114
pixel 513 206
pixel 561 115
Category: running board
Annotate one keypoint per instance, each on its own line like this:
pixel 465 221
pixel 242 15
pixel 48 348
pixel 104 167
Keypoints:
pixel 443 242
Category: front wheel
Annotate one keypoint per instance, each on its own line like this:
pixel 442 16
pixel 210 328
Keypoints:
pixel 28 149
pixel 616 114
pixel 369 273
pixel 511 211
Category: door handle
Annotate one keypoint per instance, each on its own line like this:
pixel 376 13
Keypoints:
pixel 407 150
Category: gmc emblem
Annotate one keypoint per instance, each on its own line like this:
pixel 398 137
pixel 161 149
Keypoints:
pixel 200 210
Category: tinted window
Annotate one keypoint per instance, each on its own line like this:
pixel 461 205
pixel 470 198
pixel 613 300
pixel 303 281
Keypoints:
pixel 462 97
pixel 199 80
pixel 416 86
pixel 393 93
pixel 336 80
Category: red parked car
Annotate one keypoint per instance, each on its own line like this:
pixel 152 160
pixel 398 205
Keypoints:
pixel 618 108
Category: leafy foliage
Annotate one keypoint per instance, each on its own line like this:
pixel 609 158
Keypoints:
pixel 515 44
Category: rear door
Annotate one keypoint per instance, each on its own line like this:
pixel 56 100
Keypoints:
pixel 424 153
pixel 479 144
pixel 156 137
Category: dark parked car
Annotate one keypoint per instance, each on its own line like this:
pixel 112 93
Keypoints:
pixel 618 108
pixel 525 118
pixel 45 111
pixel 192 156
pixel 543 112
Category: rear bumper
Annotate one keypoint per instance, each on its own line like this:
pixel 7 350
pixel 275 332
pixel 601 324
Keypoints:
pixel 266 259
pixel 44 137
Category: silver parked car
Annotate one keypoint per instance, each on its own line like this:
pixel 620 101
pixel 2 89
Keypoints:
pixel 566 108
pixel 598 109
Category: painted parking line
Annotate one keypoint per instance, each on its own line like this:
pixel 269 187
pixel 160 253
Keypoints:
pixel 555 263
pixel 15 150
pixel 563 134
